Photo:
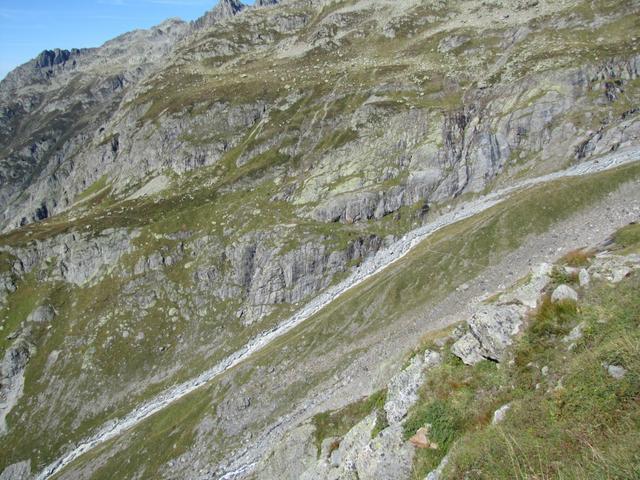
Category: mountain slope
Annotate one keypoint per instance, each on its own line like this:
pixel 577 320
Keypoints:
pixel 175 193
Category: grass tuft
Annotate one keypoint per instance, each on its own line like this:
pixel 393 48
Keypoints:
pixel 337 423
pixel 577 258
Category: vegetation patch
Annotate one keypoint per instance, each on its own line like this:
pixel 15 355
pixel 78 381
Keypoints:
pixel 627 239
pixel 338 423
pixel 574 420
pixel 577 258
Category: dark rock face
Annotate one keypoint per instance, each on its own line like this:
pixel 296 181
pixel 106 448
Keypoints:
pixel 50 58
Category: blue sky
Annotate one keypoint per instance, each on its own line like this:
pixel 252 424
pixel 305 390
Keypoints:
pixel 29 26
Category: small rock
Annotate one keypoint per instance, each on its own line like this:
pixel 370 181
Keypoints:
pixel 335 458
pixel 575 334
pixel 468 349
pixel 564 293
pixel 437 473
pixel 421 439
pixel 619 274
pixel 499 415
pixel 584 278
pixel 42 314
pixel 545 371
pixel 616 371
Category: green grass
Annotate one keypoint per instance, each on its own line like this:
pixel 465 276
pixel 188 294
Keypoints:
pixel 93 189
pixel 428 273
pixel 627 239
pixel 444 418
pixel 576 422
pixel 336 139
pixel 454 399
pixel 579 422
pixel 577 258
pixel 338 423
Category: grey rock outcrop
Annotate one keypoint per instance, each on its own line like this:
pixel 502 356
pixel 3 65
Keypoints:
pixel 293 455
pixel 42 314
pixel 77 258
pixel 224 9
pixel 491 332
pixel 387 455
pixel 12 369
pixel 269 277
pixel 17 471
pixel 352 208
pixel 7 286
pixel 358 455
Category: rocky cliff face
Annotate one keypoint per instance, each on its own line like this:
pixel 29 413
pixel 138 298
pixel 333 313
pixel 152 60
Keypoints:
pixel 170 195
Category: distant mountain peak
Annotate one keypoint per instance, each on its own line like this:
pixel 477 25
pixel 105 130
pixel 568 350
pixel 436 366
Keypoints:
pixel 224 9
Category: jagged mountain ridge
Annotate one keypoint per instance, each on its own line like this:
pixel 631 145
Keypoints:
pixel 111 69
pixel 239 169
pixel 44 156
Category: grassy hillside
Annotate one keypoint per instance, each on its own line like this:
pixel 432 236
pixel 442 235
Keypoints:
pixel 327 343
pixel 568 418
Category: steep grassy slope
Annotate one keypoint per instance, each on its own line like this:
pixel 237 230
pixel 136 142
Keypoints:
pixel 569 383
pixel 569 418
pixel 282 378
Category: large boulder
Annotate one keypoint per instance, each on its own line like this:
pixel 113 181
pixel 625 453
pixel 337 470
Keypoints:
pixel 495 327
pixel 468 349
pixel 564 293
pixel 491 332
